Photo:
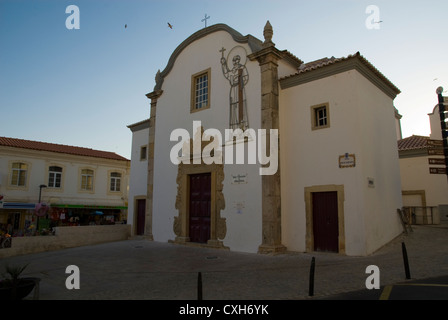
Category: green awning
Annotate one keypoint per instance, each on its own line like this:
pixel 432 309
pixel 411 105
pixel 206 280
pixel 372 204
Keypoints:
pixel 85 206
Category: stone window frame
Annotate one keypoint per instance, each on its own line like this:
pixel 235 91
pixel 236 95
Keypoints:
pixel 80 178
pixel 25 186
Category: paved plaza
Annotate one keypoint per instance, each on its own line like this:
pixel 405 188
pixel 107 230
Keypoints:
pixel 146 270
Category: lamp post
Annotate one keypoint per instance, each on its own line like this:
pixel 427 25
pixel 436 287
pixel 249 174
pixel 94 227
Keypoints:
pixel 40 194
pixel 40 190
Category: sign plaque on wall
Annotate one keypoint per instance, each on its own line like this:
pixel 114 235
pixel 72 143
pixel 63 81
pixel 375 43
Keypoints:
pixel 435 143
pixel 347 161
pixel 435 152
pixel 437 170
pixel 436 161
pixel 239 178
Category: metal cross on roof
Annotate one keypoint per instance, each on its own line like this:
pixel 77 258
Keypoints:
pixel 205 19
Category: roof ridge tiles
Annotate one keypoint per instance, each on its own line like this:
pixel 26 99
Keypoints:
pixel 58 148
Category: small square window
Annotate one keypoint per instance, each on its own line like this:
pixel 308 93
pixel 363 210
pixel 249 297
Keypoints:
pixel 320 116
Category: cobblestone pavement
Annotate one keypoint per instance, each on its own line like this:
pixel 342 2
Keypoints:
pixel 141 269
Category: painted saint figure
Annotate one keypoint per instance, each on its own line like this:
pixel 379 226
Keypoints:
pixel 238 77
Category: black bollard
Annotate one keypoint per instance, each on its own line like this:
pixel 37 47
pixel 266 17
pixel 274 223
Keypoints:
pixel 406 262
pixel 311 284
pixel 199 286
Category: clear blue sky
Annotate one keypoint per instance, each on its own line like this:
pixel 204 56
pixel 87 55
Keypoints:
pixel 83 86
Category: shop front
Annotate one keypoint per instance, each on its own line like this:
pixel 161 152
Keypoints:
pixel 29 219
pixel 84 215
pixel 17 218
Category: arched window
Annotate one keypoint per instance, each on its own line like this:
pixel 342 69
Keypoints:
pixel 115 181
pixel 86 179
pixel 54 177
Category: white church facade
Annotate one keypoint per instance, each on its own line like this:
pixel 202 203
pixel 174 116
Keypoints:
pixel 327 178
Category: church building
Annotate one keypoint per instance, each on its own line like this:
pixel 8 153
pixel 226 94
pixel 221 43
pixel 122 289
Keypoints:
pixel 248 148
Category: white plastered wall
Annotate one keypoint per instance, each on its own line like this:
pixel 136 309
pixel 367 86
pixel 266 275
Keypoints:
pixel 243 201
pixel 310 158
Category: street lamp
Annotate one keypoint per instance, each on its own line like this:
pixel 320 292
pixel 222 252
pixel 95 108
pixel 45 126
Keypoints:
pixel 40 190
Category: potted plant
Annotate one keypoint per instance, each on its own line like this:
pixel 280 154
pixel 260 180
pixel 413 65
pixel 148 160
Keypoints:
pixel 13 287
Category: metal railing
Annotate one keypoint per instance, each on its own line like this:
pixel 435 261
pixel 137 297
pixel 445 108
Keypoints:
pixel 420 215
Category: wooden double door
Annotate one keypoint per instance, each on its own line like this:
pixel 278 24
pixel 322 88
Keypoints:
pixel 200 207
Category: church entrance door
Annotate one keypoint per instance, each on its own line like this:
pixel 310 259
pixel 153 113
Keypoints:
pixel 200 207
pixel 325 221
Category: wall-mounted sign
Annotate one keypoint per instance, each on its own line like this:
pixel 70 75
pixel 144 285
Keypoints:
pixel 436 161
pixel 239 178
pixel 435 152
pixel 437 170
pixel 239 206
pixel 347 161
pixel 434 143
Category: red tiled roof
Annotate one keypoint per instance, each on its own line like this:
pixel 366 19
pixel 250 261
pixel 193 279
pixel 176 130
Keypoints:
pixel 413 142
pixel 59 148
pixel 324 62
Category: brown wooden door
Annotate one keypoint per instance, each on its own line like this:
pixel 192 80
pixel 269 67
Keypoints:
pixel 200 207
pixel 325 221
pixel 141 211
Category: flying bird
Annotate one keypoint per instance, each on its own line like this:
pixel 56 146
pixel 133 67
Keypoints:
pixel 169 25
pixel 125 26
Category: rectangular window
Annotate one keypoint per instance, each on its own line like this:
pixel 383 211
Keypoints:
pixel 143 152
pixel 18 174
pixel 87 179
pixel 200 91
pixel 54 177
pixel 115 181
pixel 320 116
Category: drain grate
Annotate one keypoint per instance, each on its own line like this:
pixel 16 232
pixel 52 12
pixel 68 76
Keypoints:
pixel 211 258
